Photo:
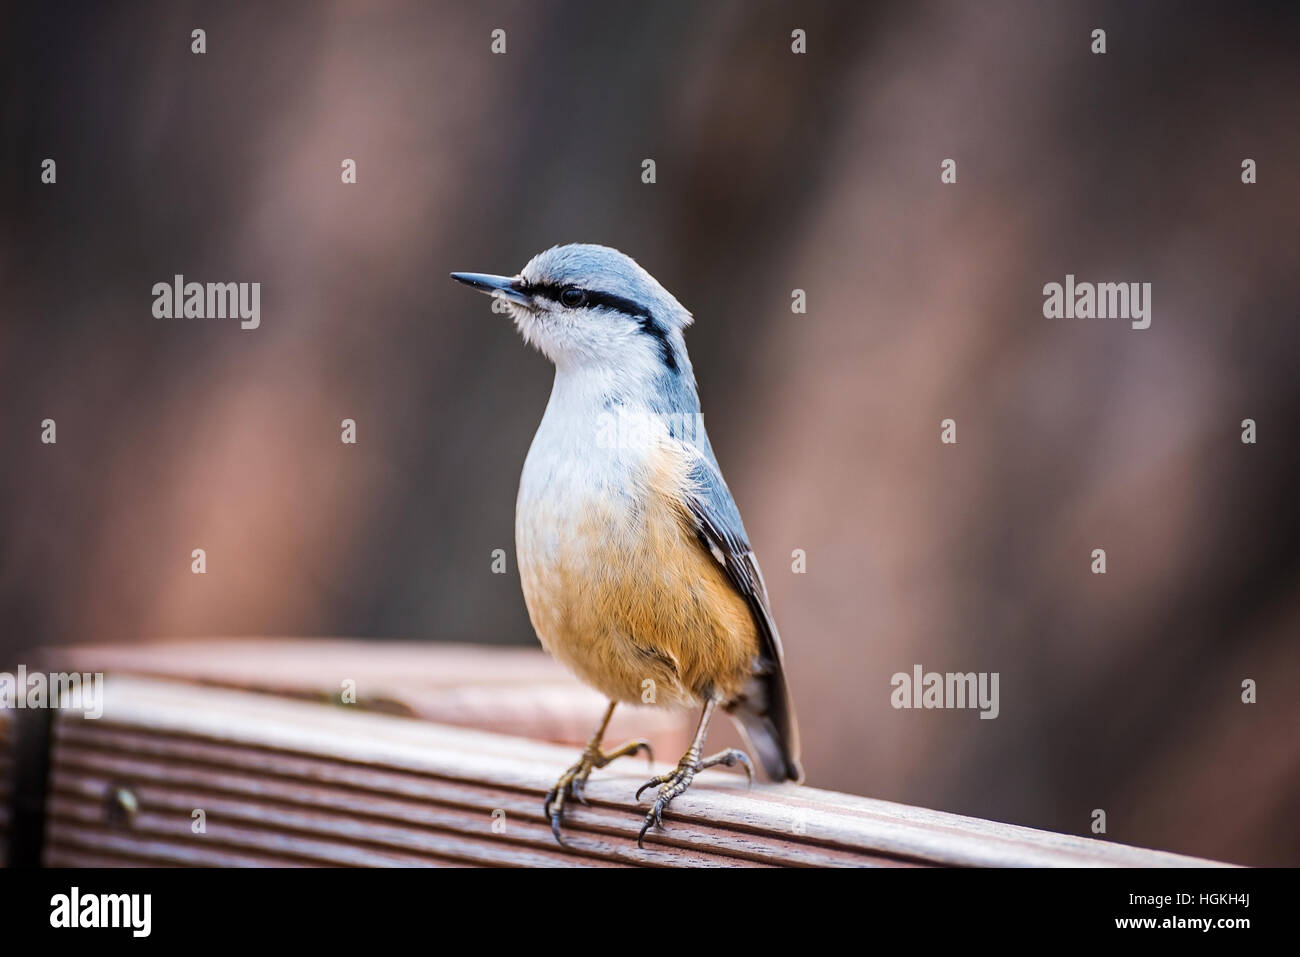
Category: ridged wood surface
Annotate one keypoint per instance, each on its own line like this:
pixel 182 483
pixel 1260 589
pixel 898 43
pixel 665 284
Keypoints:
pixel 294 783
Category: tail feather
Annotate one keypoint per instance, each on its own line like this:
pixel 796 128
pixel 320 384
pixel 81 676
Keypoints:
pixel 766 720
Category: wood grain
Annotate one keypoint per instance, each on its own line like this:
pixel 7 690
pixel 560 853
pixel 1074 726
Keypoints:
pixel 295 783
pixel 512 690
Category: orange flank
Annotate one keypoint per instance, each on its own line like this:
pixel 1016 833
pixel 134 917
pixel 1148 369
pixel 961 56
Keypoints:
pixel 624 593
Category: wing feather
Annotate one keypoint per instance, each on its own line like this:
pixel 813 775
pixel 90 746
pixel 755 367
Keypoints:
pixel 765 710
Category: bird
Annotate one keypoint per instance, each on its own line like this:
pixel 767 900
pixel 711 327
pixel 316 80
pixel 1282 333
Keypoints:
pixel 635 566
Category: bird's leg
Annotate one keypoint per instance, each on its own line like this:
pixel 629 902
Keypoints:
pixel 677 781
pixel 574 781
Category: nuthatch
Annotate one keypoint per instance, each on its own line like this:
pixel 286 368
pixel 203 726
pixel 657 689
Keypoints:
pixel 635 566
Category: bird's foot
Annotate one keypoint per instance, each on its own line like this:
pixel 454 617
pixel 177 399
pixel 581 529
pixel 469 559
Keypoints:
pixel 678 780
pixel 573 782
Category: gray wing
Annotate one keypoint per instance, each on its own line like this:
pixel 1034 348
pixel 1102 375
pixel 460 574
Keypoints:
pixel 764 709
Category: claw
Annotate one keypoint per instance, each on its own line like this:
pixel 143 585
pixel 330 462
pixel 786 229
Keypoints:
pixel 674 784
pixel 573 782
pixel 749 770
pixel 654 816
pixel 730 758
pixel 553 808
pixel 655 781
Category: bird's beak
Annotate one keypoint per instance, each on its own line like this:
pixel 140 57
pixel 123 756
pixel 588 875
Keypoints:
pixel 508 287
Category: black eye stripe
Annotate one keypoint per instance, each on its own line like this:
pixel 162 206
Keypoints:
pixel 605 300
pixel 651 327
pixel 594 298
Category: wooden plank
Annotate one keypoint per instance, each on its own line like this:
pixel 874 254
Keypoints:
pixel 284 781
pixel 442 820
pixel 167 838
pixel 512 690
pixel 73 857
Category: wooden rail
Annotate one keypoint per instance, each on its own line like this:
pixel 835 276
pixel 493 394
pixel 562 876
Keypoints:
pixel 291 782
pixel 519 691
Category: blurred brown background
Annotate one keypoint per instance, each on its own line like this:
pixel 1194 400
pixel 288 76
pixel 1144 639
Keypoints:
pixel 775 171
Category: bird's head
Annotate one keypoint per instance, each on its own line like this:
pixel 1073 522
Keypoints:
pixel 592 306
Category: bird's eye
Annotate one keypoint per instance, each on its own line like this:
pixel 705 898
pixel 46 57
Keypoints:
pixel 572 296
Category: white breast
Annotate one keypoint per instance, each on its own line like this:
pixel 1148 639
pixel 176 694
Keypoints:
pixel 616 583
pixel 581 540
pixel 573 470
